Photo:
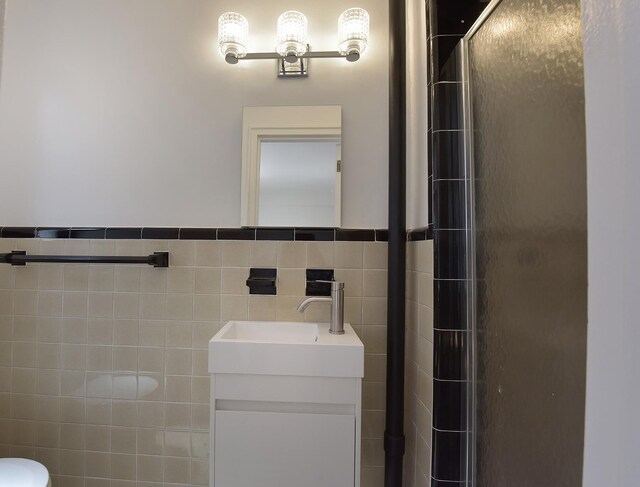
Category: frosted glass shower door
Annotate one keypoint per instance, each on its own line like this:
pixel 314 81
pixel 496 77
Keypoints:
pixel 526 140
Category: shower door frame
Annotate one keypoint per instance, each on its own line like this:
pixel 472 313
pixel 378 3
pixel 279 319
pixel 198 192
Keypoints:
pixel 470 261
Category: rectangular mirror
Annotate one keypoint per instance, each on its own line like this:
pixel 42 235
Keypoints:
pixel 291 166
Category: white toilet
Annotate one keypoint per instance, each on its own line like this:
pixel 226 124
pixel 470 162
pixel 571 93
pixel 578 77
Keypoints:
pixel 19 472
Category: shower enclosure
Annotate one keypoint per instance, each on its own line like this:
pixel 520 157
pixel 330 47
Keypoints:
pixel 526 213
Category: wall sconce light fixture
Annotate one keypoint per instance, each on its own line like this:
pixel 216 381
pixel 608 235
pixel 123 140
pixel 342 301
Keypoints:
pixel 292 49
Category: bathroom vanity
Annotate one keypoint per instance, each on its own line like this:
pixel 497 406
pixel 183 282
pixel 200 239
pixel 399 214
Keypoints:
pixel 285 405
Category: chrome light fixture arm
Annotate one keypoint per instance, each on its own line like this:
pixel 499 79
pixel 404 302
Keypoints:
pixel 352 56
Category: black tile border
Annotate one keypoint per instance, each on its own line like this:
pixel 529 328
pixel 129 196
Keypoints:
pixel 346 235
pixel 315 234
pixel 417 235
pixel 18 232
pixel 236 233
pixel 88 233
pixel 124 233
pixel 160 233
pixel 198 234
pixel 382 235
pixel 194 233
pixel 52 232
pixel 420 234
pixel 280 234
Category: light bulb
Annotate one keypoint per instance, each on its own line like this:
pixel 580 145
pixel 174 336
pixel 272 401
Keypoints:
pixel 233 36
pixel 353 33
pixel 292 34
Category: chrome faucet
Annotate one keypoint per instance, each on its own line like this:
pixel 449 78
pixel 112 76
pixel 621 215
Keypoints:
pixel 336 300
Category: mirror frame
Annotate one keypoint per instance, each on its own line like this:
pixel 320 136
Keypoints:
pixel 283 123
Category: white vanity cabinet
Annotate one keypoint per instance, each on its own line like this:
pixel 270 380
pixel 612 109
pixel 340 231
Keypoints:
pixel 276 420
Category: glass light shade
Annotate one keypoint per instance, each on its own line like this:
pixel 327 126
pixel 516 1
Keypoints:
pixel 353 31
pixel 233 34
pixel 292 34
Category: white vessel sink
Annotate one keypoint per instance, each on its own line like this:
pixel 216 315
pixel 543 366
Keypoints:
pixel 285 348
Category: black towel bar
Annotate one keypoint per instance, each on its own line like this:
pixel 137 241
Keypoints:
pixel 20 257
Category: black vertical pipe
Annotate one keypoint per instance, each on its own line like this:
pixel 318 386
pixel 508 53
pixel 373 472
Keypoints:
pixel 394 441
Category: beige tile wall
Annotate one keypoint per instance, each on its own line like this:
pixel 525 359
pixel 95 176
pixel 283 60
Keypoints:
pixel 419 364
pixel 103 369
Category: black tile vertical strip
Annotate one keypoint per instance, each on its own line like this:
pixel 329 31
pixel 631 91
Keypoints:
pixel 449 355
pixel 449 455
pixel 443 45
pixel 431 161
pixel 445 107
pixel 449 404
pixel 430 215
pixel 431 30
pixel 448 154
pixel 449 21
pixel 449 197
pixel 450 309
pixel 450 254
pixel 450 70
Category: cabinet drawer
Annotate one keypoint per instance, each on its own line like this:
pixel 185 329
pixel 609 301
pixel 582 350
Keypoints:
pixel 264 449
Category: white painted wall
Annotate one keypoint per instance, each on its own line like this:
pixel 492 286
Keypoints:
pixel 612 77
pixel 417 145
pixel 120 112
